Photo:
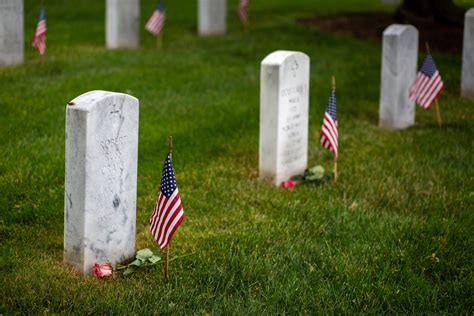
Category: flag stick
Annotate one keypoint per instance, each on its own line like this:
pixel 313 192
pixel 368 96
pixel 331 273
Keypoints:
pixel 159 41
pixel 170 152
pixel 167 261
pixel 335 159
pixel 246 27
pixel 438 113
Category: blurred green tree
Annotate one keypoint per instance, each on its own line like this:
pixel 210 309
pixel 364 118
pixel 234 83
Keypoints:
pixel 426 11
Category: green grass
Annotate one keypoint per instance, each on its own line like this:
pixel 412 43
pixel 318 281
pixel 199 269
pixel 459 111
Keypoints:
pixel 394 235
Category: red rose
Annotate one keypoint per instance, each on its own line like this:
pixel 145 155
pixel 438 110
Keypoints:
pixel 100 271
pixel 288 183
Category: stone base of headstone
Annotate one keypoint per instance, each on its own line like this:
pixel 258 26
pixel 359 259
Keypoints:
pixel 101 179
pixel 284 106
pixel 467 77
pixel 11 32
pixel 212 16
pixel 399 61
pixel 122 22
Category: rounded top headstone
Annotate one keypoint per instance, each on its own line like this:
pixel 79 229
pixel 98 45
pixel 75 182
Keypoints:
pixel 90 100
pixel 398 29
pixel 280 56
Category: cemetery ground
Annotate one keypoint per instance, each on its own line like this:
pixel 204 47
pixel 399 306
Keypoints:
pixel 394 234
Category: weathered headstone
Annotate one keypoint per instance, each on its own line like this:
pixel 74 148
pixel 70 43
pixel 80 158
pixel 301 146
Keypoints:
pixel 212 16
pixel 11 32
pixel 467 79
pixel 284 97
pixel 122 19
pixel 101 179
pixel 399 60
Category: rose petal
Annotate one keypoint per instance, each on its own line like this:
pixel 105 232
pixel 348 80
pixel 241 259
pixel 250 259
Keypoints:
pixel 288 183
pixel 100 271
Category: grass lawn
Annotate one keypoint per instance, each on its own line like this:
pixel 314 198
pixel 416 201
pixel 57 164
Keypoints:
pixel 395 234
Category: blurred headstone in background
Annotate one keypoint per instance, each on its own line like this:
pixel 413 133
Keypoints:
pixel 399 62
pixel 11 32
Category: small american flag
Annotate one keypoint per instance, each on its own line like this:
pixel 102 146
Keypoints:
pixel 39 40
pixel 427 84
pixel 168 213
pixel 243 11
pixel 329 134
pixel 157 20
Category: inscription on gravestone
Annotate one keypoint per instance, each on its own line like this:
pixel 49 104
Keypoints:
pixel 292 131
pixel 284 96
pixel 101 179
pixel 11 32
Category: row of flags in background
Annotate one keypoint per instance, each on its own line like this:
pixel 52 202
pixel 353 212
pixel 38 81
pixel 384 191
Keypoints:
pixel 154 24
pixel 157 19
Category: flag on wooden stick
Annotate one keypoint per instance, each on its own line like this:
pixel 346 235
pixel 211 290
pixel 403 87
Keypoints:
pixel 168 213
pixel 39 40
pixel 243 11
pixel 329 133
pixel 427 84
pixel 157 20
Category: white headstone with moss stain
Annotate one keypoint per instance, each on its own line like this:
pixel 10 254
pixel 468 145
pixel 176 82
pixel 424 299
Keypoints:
pixel 101 179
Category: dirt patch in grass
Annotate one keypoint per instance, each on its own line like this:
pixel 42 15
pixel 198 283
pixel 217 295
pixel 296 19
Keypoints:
pixel 370 26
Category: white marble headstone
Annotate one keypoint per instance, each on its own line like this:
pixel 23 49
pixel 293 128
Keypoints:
pixel 399 60
pixel 122 22
pixel 212 16
pixel 467 78
pixel 284 106
pixel 11 32
pixel 101 179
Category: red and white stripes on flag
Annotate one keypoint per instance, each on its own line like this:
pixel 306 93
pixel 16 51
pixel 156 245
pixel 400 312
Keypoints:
pixel 427 85
pixel 157 20
pixel 243 10
pixel 39 40
pixel 329 133
pixel 168 213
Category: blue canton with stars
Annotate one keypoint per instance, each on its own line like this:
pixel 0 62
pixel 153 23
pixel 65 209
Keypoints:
pixel 160 6
pixel 331 109
pixel 168 180
pixel 429 67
